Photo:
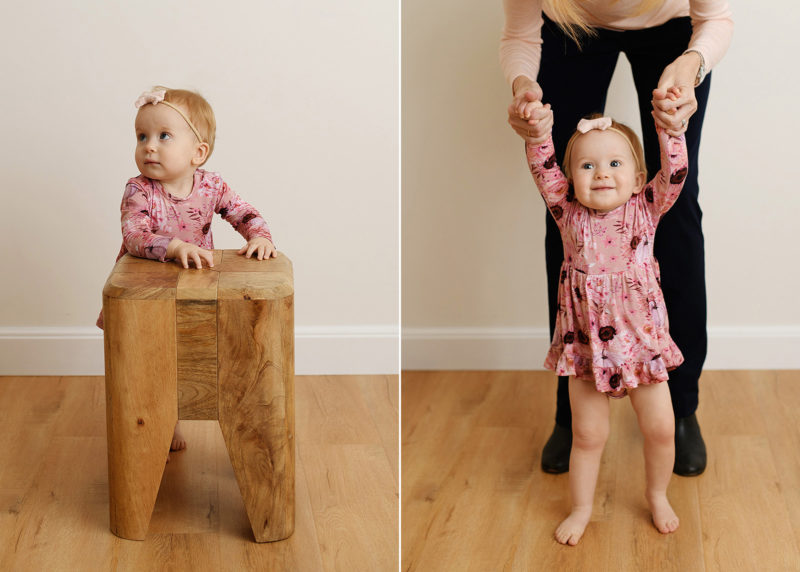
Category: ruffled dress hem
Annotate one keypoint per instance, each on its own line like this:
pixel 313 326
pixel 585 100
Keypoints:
pixel 612 379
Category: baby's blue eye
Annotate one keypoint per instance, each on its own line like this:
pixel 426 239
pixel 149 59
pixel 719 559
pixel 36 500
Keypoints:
pixel 141 137
pixel 587 166
pixel 615 163
pixel 164 136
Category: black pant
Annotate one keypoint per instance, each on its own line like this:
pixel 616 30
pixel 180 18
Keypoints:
pixel 575 81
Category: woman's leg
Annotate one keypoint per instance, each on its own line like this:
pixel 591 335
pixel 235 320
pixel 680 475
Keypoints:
pixel 653 408
pixel 589 434
pixel 679 244
pixel 575 82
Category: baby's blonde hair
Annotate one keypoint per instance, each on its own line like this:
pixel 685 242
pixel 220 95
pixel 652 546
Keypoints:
pixel 572 18
pixel 198 110
pixel 629 135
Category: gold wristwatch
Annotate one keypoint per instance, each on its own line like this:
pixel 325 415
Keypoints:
pixel 701 71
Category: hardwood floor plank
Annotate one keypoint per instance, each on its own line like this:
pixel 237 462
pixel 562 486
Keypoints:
pixel 54 512
pixel 463 431
pixel 742 501
pixel 436 424
pixel 354 502
pixel 335 411
pixel 778 400
pixel 383 399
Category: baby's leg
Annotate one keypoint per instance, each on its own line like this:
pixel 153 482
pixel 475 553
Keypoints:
pixel 178 440
pixel 656 420
pixel 589 434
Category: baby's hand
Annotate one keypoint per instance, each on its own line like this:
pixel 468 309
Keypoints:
pixel 527 108
pixel 540 124
pixel 184 252
pixel 261 246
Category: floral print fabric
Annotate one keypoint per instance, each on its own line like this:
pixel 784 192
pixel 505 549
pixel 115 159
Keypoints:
pixel 151 217
pixel 611 325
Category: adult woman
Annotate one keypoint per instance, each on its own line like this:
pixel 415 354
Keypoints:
pixel 564 52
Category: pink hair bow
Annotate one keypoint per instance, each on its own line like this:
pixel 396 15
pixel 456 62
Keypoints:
pixel 601 123
pixel 150 97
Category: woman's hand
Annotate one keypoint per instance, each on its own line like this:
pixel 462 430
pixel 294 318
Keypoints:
pixel 261 246
pixel 673 100
pixel 527 116
pixel 185 252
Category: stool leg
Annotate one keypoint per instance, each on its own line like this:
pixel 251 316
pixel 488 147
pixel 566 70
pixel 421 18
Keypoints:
pixel 141 406
pixel 256 408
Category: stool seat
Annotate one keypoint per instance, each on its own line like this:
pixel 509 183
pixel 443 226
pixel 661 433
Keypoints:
pixel 211 343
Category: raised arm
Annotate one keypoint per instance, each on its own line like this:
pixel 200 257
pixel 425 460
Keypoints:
pixel 550 181
pixel 662 192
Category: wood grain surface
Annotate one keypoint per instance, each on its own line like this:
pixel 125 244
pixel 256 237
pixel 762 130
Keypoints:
pixel 54 486
pixel 256 408
pixel 231 357
pixel 141 406
pixel 475 498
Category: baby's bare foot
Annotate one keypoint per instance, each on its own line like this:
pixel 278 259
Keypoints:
pixel 178 440
pixel 571 529
pixel 664 518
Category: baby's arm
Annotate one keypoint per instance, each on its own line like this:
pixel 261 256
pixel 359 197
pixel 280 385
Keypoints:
pixel 138 234
pixel 664 189
pixel 247 221
pixel 550 181
pixel 140 238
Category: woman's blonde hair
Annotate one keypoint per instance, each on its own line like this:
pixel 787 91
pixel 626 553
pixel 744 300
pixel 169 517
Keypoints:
pixel 629 135
pixel 573 18
pixel 198 110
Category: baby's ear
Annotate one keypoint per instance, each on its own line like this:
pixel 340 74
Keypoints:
pixel 641 179
pixel 201 154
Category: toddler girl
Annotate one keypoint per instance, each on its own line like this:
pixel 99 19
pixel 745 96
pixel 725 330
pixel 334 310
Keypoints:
pixel 612 334
pixel 167 209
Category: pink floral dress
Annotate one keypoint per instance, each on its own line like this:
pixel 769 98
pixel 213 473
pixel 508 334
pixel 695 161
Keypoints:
pixel 152 217
pixel 611 326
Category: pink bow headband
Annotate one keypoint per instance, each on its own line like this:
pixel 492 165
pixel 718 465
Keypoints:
pixel 600 123
pixel 156 97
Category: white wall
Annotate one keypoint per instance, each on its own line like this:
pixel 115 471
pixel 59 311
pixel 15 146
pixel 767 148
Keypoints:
pixel 306 100
pixel 473 284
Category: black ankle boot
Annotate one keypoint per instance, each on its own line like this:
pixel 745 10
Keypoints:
pixel 690 450
pixel 555 455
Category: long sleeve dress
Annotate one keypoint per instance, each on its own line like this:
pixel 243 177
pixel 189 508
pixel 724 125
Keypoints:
pixel 611 326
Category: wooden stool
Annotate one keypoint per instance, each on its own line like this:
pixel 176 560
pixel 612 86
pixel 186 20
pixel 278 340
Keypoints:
pixel 201 344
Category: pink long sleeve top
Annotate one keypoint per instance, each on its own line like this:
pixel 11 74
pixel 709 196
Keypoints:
pixel 152 217
pixel 521 43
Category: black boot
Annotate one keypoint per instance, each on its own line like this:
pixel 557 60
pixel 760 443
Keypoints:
pixel 555 455
pixel 690 450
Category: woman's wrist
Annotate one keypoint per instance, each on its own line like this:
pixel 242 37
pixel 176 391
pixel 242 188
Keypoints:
pixel 690 67
pixel 522 83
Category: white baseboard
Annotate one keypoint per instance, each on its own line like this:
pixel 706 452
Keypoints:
pixel 767 347
pixel 319 350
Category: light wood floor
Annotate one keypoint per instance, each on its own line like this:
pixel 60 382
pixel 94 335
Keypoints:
pixel 54 485
pixel 474 498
